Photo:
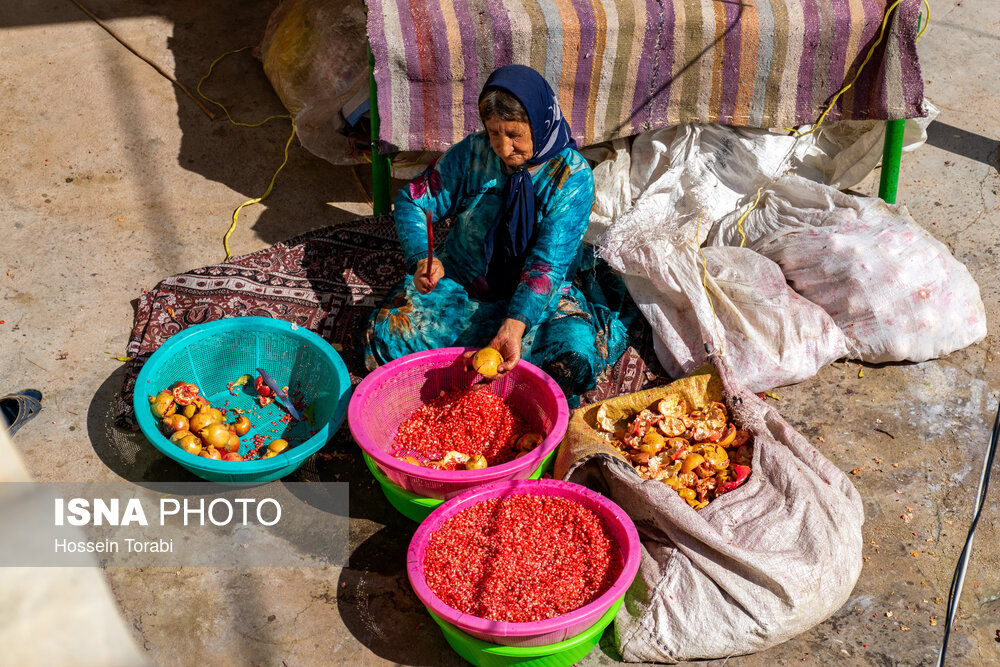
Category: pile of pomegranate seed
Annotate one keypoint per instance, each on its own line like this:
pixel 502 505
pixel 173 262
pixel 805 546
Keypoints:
pixel 521 558
pixel 470 421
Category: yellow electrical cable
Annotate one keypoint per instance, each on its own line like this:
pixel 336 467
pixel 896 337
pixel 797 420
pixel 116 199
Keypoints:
pixel 232 227
pixel 219 104
pixel 739 221
pixel 885 22
pixel 257 200
pixel 704 284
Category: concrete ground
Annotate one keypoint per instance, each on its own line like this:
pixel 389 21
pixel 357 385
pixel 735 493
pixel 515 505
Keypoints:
pixel 112 179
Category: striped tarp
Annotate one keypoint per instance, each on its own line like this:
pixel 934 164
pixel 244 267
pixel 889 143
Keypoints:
pixel 622 67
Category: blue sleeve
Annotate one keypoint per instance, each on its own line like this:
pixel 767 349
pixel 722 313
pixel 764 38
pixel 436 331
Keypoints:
pixel 437 190
pixel 564 221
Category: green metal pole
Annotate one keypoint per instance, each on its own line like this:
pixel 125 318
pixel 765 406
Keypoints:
pixel 892 154
pixel 380 162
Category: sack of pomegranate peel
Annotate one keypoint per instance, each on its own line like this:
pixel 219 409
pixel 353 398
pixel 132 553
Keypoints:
pixel 750 536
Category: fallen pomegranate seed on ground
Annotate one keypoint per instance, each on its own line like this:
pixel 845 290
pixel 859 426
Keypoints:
pixel 521 558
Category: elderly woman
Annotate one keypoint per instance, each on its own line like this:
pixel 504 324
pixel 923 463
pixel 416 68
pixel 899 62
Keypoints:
pixel 519 196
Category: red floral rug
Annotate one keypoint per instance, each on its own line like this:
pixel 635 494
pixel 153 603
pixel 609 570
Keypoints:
pixel 328 281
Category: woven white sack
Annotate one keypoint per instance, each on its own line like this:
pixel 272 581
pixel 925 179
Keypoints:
pixel 677 342
pixel 754 568
pixel 733 299
pixel 843 153
pixel 895 291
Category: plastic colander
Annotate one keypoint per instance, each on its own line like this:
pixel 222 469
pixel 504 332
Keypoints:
pixel 392 393
pixel 213 354
pixel 538 633
pixel 417 508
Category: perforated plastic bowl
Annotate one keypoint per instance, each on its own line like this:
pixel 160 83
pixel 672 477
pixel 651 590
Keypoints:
pixel 213 354
pixel 417 508
pixel 390 394
pixel 539 633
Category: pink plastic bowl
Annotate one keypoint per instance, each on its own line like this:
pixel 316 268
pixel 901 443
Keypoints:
pixel 390 394
pixel 538 633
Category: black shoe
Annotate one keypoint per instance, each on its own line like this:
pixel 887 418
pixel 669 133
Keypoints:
pixel 18 409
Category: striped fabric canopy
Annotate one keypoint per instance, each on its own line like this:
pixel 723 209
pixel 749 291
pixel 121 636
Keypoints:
pixel 622 67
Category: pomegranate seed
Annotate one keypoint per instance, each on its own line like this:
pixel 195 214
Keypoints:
pixel 521 558
pixel 471 421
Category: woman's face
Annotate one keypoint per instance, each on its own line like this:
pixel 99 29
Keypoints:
pixel 511 140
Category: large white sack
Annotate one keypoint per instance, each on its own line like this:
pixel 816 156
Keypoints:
pixel 719 165
pixel 895 291
pixel 677 338
pixel 757 566
pixel 842 154
pixel 732 299
pixel 707 169
pixel 715 167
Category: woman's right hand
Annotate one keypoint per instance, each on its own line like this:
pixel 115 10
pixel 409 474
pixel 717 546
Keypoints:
pixel 508 343
pixel 421 281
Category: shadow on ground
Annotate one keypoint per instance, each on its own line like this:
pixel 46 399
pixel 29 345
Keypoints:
pixel 379 608
pixel 962 142
pixel 129 455
pixel 242 158
pixel 340 460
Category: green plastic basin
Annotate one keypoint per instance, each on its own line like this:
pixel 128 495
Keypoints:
pixel 568 652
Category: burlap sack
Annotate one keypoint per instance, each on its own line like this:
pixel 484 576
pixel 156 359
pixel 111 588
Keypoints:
pixel 757 566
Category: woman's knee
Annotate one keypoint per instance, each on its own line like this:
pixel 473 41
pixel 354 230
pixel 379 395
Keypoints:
pixel 392 329
pixel 407 322
pixel 575 371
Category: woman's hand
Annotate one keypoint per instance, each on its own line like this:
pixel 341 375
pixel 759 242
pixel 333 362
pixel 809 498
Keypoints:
pixel 420 279
pixel 508 343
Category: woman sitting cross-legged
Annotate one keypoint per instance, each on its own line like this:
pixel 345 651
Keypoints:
pixel 519 197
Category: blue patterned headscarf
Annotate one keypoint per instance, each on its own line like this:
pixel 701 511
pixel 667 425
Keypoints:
pixel 510 235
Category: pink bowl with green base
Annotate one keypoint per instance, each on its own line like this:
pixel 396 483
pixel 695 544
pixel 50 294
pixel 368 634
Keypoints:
pixel 538 633
pixel 392 393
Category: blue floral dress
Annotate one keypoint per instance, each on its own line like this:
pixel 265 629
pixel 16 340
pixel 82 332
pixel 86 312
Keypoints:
pixel 571 332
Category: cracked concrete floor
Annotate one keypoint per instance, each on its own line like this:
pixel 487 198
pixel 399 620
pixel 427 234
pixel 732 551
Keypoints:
pixel 112 180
